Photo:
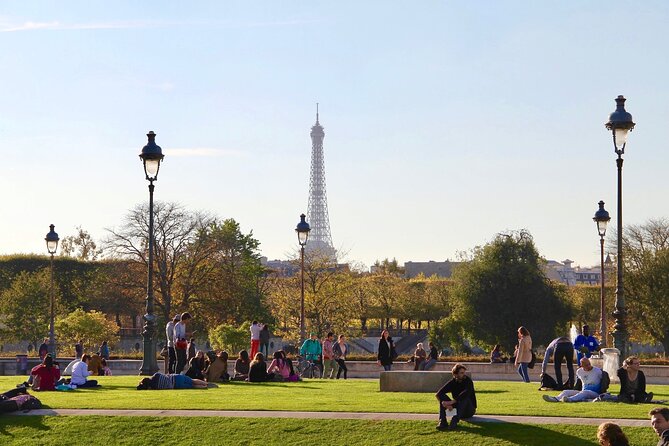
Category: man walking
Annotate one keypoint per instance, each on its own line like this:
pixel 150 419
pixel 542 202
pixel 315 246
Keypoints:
pixel 171 353
pixel 329 364
pixel 463 404
pixel 659 419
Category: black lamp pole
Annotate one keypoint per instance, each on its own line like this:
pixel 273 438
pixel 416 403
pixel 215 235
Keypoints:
pixel 151 157
pixel 51 246
pixel 302 230
pixel 620 124
pixel 602 218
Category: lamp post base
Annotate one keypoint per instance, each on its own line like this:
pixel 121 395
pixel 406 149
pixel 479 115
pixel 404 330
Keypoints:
pixel 149 362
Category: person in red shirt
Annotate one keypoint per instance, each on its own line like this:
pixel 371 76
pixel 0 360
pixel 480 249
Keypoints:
pixel 46 375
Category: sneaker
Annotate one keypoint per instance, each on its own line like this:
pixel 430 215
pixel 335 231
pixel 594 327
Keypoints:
pixel 454 423
pixel 550 399
pixel 442 426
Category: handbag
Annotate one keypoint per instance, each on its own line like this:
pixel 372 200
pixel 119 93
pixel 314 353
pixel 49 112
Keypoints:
pixel 530 365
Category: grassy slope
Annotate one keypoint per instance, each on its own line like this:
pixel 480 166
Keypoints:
pixel 499 398
pixel 213 431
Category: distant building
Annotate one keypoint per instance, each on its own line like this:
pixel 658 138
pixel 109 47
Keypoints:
pixel 283 268
pixel 431 268
pixel 564 272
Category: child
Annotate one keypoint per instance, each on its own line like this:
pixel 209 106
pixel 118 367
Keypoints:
pixel 106 371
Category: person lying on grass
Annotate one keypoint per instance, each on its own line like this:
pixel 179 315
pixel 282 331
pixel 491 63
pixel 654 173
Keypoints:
pixel 160 381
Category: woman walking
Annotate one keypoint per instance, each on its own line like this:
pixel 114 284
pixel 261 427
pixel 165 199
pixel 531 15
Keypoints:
pixel 386 351
pixel 523 353
pixel 339 349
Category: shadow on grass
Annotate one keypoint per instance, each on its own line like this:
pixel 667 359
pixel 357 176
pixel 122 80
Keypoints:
pixel 523 434
pixel 492 391
pixel 35 422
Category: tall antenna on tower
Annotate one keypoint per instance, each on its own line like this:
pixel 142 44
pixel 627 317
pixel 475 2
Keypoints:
pixel 320 239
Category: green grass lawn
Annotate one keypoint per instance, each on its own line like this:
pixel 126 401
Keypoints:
pixel 249 431
pixel 494 397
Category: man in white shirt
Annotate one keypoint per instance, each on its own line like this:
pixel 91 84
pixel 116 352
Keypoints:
pixel 591 378
pixel 255 338
pixel 80 373
pixel 171 353
pixel 181 342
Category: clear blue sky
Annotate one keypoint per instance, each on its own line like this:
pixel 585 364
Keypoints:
pixel 446 122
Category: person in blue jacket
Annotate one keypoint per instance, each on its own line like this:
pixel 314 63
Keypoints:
pixel 585 344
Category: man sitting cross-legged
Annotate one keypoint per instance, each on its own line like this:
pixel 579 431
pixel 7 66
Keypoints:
pixel 461 388
pixel 591 379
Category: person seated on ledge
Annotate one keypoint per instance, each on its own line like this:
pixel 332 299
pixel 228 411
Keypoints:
pixel 46 374
pixel 633 382
pixel 496 355
pixel 258 370
pixel 432 358
pixel 461 388
pixel 591 379
pixel 418 357
pixel 242 365
pixel 80 374
pixel 160 381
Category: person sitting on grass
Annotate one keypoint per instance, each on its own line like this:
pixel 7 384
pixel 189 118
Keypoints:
pixel 633 382
pixel 106 371
pixel 461 388
pixel 258 370
pixel 591 379
pixel 46 374
pixel 218 369
pixel 95 365
pixel 196 366
pixel 80 374
pixel 610 434
pixel 279 367
pixel 160 381
pixel 242 365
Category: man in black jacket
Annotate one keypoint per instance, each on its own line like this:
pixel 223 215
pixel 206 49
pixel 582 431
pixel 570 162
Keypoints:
pixel 461 388
pixel 659 419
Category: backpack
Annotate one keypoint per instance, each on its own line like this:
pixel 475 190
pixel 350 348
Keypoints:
pixel 548 382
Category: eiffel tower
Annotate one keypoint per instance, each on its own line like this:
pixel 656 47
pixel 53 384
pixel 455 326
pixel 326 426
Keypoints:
pixel 320 239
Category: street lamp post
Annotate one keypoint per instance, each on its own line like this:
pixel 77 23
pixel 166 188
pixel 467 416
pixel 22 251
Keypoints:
pixel 602 218
pixel 151 157
pixel 51 246
pixel 620 124
pixel 302 230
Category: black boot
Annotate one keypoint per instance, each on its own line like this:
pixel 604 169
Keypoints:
pixel 442 426
pixel 454 423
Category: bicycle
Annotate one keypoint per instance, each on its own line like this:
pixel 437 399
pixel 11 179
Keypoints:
pixel 308 368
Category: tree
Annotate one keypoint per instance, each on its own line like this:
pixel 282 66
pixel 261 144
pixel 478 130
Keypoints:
pixel 175 229
pixel 92 327
pixel 504 287
pixel 230 338
pixel 646 264
pixel 82 246
pixel 25 308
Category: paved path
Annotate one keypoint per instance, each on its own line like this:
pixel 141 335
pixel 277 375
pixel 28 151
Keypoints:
pixel 328 415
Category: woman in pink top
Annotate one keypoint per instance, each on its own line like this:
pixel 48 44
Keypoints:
pixel 278 366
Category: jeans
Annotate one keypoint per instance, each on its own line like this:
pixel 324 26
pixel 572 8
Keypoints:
pixel 264 346
pixel 575 396
pixel 522 371
pixel 564 350
pixel 172 359
pixel 427 365
pixel 342 366
pixel 329 368
pixel 89 383
pixel 181 359
pixel 387 367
